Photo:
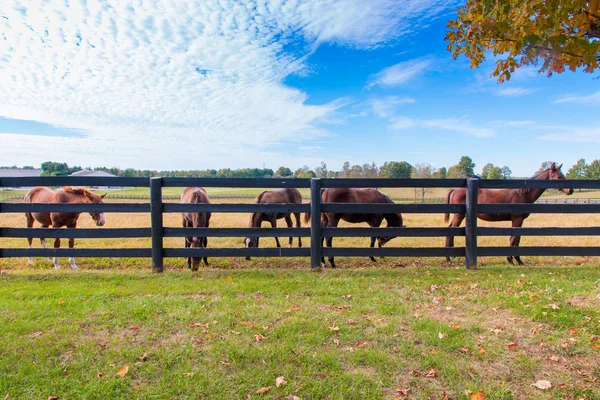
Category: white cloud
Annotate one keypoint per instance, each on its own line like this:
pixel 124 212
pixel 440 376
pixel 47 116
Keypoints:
pixel 514 91
pixel 401 73
pixel 176 84
pixel 570 134
pixel 385 107
pixel 593 98
pixel 460 125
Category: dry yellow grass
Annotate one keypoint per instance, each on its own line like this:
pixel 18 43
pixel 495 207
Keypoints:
pixel 229 220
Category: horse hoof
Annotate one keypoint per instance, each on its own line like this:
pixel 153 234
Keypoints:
pixel 248 259
pixel 373 259
pixel 30 261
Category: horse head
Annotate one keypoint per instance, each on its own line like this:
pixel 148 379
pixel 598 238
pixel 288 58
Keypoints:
pixel 556 174
pixel 94 198
pixel 250 242
pixel 195 242
pixel 394 221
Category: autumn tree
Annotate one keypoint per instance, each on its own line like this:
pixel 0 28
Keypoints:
pixel 321 170
pixel 560 34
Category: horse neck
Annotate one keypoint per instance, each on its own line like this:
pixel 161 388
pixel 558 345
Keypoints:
pixel 255 220
pixel 531 195
pixel 393 220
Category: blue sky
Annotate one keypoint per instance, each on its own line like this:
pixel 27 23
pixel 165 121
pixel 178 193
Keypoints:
pixel 195 85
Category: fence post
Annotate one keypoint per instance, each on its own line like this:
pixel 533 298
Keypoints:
pixel 471 223
pixel 315 223
pixel 156 220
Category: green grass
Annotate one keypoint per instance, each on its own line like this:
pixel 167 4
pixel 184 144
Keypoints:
pixel 348 334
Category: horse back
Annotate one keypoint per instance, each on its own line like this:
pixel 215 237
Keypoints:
pixel 195 195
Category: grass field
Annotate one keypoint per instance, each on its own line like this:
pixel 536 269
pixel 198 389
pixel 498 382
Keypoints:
pixel 384 333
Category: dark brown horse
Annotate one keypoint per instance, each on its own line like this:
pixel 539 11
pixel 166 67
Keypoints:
pixel 195 195
pixel 495 196
pixel 277 196
pixel 41 194
pixel 350 195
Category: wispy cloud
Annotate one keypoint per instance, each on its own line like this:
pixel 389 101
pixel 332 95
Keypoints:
pixel 401 73
pixel 593 98
pixel 590 134
pixel 514 91
pixel 385 107
pixel 153 85
pixel 460 125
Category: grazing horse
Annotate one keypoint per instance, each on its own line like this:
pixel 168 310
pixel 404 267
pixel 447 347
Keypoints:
pixel 495 196
pixel 41 194
pixel 350 195
pixel 277 196
pixel 195 195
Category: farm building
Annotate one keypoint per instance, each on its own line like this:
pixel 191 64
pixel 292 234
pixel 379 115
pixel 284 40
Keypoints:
pixel 18 173
pixel 89 174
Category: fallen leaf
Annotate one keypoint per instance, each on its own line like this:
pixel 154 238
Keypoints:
pixel 123 371
pixel 292 397
pixel 481 350
pixel 351 322
pixel 348 296
pixel 334 327
pixel 61 302
pixel 361 344
pixel 229 278
pixel 595 340
pixel 477 396
pixel 542 385
pixel 414 372
pixel 280 381
pixel 554 358
pixel 441 335
pixel 403 392
pixel 259 337
pixel 432 373
pixel 553 306
pixel 292 308
pixel 99 374
pixel 336 342
pixel 573 331
pixel 53 398
pixel 144 357
pixel 34 334
pixel 465 350
pixel 438 301
pixel 263 390
pixel 134 327
pixel 512 346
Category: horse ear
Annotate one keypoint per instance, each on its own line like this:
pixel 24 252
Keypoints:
pixel 103 196
pixel 559 167
pixel 553 166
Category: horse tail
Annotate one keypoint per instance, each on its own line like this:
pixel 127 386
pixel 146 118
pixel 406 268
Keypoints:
pixel 447 215
pixel 258 199
pixel 306 217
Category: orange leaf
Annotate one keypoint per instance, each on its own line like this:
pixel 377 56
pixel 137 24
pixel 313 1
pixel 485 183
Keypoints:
pixel 263 390
pixel 512 346
pixel 403 392
pixel 477 396
pixel 259 337
pixel 595 342
pixel 134 327
pixel 49 398
pixel 123 371
pixel 361 344
pixel 481 350
pixel 432 373
pixel 573 331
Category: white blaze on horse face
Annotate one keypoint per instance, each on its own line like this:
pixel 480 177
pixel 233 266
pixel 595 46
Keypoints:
pixel 72 262
pixel 100 221
pixel 247 241
pixel 56 264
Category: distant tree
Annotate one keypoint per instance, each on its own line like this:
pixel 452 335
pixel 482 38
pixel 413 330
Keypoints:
pixel 370 170
pixel 454 172
pixel 440 173
pixel 28 167
pixel 495 173
pixel 422 171
pixel 506 173
pixel 485 171
pixel 333 174
pixel 345 172
pixel 304 172
pixel 395 169
pixel 467 166
pixel 50 168
pixel 321 170
pixel 284 172
pixel 356 171
pixel 562 34
pixel 593 170
pixel 579 170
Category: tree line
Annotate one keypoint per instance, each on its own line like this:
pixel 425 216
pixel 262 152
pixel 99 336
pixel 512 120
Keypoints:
pixel 465 168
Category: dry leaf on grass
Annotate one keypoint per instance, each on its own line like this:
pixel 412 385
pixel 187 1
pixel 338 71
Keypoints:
pixel 595 340
pixel 481 350
pixel 477 396
pixel 441 335
pixel 123 371
pixel 292 397
pixel 334 327
pixel 403 392
pixel 134 327
pixel 542 385
pixel 512 346
pixel 144 357
pixel 53 397
pixel 263 390
pixel 259 337
pixel 280 381
pixel 361 344
pixel 432 373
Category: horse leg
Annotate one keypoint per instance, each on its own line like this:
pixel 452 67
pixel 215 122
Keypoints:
pixel 515 240
pixel 273 222
pixel 187 244
pixel 56 246
pixel 333 222
pixel 456 221
pixel 298 225
pixel 30 222
pixel 71 245
pixel 324 222
pixel 374 224
pixel 290 224
pixel 43 241
pixel 205 245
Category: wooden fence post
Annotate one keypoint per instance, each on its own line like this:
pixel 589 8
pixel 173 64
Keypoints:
pixel 315 223
pixel 156 220
pixel 471 223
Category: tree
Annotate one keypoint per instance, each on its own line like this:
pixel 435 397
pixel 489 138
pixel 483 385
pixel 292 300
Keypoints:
pixel 284 172
pixel 579 170
pixel 422 171
pixel 50 168
pixel 454 172
pixel 345 173
pixel 506 173
pixel 495 173
pixel 440 173
pixel 356 171
pixel 485 171
pixel 304 172
pixel 395 169
pixel 593 170
pixel 321 171
pixel 562 34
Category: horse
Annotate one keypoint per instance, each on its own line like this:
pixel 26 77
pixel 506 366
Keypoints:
pixel 351 195
pixel 277 196
pixel 67 194
pixel 495 196
pixel 195 195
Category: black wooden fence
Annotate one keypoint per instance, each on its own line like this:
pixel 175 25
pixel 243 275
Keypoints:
pixel 156 207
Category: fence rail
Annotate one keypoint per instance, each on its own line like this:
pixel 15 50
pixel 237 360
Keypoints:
pixel 157 231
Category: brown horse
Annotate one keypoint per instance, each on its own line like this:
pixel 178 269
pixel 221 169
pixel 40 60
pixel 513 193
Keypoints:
pixel 350 195
pixel 195 195
pixel 41 194
pixel 495 196
pixel 277 196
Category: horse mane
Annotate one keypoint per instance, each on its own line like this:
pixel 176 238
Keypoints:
pixel 80 191
pixel 536 176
